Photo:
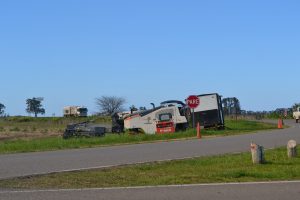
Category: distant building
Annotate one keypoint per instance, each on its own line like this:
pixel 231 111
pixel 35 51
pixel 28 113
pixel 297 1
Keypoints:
pixel 75 111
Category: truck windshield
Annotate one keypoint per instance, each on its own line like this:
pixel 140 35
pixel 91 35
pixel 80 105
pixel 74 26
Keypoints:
pixel 82 110
pixel 165 117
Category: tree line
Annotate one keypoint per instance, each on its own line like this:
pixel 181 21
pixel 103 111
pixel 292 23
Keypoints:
pixel 33 105
pixel 108 105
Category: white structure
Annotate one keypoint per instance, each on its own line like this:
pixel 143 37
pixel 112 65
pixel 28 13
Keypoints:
pixel 296 115
pixel 210 111
pixel 75 111
pixel 147 120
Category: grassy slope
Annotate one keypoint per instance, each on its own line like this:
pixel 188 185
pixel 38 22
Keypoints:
pixel 227 168
pixel 54 143
pixel 15 125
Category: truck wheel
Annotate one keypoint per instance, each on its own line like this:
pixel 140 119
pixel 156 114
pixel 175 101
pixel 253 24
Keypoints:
pixel 67 134
pixel 297 120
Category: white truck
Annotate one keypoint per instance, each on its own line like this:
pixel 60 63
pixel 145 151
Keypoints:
pixel 296 114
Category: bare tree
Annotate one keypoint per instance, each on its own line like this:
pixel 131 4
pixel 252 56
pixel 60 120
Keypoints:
pixel 110 104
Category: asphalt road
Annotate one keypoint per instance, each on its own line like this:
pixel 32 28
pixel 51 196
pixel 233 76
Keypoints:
pixel 245 191
pixel 15 165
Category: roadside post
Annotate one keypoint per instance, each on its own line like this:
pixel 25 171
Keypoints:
pixel 285 113
pixel 198 130
pixel 257 152
pixel 292 149
pixel 193 102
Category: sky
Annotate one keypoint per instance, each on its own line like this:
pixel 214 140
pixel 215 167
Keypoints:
pixel 73 51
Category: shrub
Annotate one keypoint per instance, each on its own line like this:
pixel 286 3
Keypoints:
pixel 14 129
pixel 25 130
pixel 45 131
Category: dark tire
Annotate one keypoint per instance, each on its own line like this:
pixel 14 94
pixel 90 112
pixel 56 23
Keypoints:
pixel 297 120
pixel 181 127
pixel 67 135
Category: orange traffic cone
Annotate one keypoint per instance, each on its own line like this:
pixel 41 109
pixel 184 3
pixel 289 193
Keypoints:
pixel 198 130
pixel 279 123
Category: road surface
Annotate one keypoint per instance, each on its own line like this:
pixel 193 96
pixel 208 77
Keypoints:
pixel 24 164
pixel 245 191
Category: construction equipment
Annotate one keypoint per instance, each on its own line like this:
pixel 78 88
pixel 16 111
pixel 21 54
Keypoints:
pixel 86 129
pixel 169 117
pixel 165 124
pixel 75 111
pixel 118 122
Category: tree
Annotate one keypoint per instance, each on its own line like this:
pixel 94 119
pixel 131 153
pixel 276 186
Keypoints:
pixel 2 108
pixel 295 106
pixel 133 108
pixel 143 108
pixel 35 106
pixel 110 104
pixel 231 106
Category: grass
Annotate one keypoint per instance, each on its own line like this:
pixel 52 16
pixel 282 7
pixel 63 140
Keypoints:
pixel 227 168
pixel 54 124
pixel 56 143
pixel 31 127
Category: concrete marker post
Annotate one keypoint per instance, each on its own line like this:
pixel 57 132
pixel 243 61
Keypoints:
pixel 257 153
pixel 292 149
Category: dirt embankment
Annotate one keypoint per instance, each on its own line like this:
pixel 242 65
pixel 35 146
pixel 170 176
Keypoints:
pixel 21 135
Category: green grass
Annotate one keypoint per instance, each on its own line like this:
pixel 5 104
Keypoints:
pixel 227 168
pixel 39 124
pixel 56 143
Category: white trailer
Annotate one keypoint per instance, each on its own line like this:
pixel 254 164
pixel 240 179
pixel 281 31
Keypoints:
pixel 210 111
pixel 75 111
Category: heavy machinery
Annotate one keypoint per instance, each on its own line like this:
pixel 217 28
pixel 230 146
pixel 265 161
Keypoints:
pixel 118 122
pixel 86 129
pixel 168 117
pixel 173 115
pixel 75 111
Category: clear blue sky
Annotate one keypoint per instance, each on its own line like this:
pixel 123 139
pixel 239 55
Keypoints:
pixel 72 51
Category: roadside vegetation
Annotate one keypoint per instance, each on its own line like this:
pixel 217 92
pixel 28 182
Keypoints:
pixel 217 169
pixel 40 127
pixel 44 141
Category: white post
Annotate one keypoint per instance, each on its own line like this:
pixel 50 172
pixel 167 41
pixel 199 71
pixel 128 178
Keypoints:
pixel 292 149
pixel 257 152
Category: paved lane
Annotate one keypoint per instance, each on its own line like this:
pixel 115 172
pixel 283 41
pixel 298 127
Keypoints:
pixel 247 191
pixel 24 164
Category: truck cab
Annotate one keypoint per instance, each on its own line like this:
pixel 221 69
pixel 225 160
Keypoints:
pixel 296 114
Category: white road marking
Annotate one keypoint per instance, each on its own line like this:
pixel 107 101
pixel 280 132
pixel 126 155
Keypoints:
pixel 147 187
